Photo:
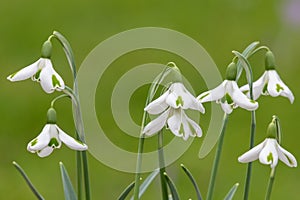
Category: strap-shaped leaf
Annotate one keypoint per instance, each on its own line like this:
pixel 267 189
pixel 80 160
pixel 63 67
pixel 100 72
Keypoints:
pixel 68 188
pixel 231 192
pixel 172 187
pixel 31 186
pixel 189 174
pixel 127 190
pixel 147 182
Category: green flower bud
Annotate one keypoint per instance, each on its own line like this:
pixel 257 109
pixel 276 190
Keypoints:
pixel 47 49
pixel 269 61
pixel 272 130
pixel 231 72
pixel 51 116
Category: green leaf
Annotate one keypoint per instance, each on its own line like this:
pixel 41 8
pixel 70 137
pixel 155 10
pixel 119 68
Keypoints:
pixel 231 192
pixel 31 186
pixel 189 174
pixel 147 182
pixel 247 52
pixel 172 187
pixel 127 190
pixel 68 188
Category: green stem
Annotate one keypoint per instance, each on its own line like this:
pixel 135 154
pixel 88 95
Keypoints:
pixel 162 169
pixel 217 159
pixel 270 185
pixel 79 175
pixel 86 175
pixel 249 168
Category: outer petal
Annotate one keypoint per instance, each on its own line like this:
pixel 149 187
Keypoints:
pixel 252 154
pixel 286 157
pixel 197 130
pixel 50 79
pixel 214 94
pixel 258 87
pixel 239 98
pixel 71 142
pixel 45 152
pixel 25 73
pixel 41 141
pixel 158 105
pixel 269 150
pixel 175 121
pixel 157 124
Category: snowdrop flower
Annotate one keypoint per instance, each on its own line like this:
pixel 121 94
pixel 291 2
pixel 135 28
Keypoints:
pixel 41 71
pixel 52 137
pixel 270 82
pixel 171 105
pixel 228 94
pixel 269 151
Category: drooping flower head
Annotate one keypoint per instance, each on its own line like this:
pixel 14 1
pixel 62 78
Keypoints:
pixel 41 71
pixel 270 82
pixel 52 137
pixel 269 151
pixel 228 93
pixel 171 106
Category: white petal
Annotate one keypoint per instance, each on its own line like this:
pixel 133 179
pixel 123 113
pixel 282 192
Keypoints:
pixel 25 73
pixel 71 142
pixel 269 150
pixel 158 105
pixel 50 80
pixel 286 157
pixel 240 98
pixel 258 87
pixel 174 122
pixel 41 141
pixel 197 130
pixel 226 107
pixel 252 154
pixel 186 128
pixel 214 94
pixel 45 152
pixel 157 124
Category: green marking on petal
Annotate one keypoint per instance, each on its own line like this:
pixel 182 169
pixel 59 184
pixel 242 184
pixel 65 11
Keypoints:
pixel 270 157
pixel 252 101
pixel 265 89
pixel 12 75
pixel 53 143
pixel 37 75
pixel 228 98
pixel 204 96
pixel 55 81
pixel 290 161
pixel 179 101
pixel 34 142
pixel 278 87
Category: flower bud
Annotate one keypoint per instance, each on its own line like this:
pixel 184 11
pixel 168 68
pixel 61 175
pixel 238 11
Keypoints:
pixel 46 49
pixel 51 116
pixel 269 61
pixel 231 72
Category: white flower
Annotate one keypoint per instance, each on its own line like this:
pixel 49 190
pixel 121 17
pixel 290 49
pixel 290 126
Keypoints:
pixel 172 105
pixel 229 96
pixel 43 72
pixel 51 138
pixel 269 84
pixel 268 153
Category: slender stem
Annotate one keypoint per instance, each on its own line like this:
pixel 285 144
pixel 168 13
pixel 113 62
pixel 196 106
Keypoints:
pixel 86 175
pixel 162 169
pixel 79 175
pixel 258 49
pixel 57 98
pixel 249 168
pixel 217 159
pixel 271 182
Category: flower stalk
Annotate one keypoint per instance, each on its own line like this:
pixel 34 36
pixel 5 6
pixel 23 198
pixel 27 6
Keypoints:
pixel 162 170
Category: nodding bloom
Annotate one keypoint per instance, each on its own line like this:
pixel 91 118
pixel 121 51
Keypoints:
pixel 270 82
pixel 228 93
pixel 52 137
pixel 41 71
pixel 269 151
pixel 171 106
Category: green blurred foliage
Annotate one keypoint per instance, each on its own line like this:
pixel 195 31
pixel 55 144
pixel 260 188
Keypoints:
pixel 219 26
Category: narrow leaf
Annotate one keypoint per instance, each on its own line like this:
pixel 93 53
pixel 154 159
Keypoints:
pixel 231 192
pixel 68 188
pixel 172 187
pixel 31 186
pixel 189 174
pixel 147 182
pixel 247 52
pixel 127 190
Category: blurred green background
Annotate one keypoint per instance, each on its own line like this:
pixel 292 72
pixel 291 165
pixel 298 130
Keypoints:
pixel 219 26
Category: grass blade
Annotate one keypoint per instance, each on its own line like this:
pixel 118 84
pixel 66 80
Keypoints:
pixel 231 192
pixel 68 188
pixel 189 174
pixel 127 190
pixel 172 187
